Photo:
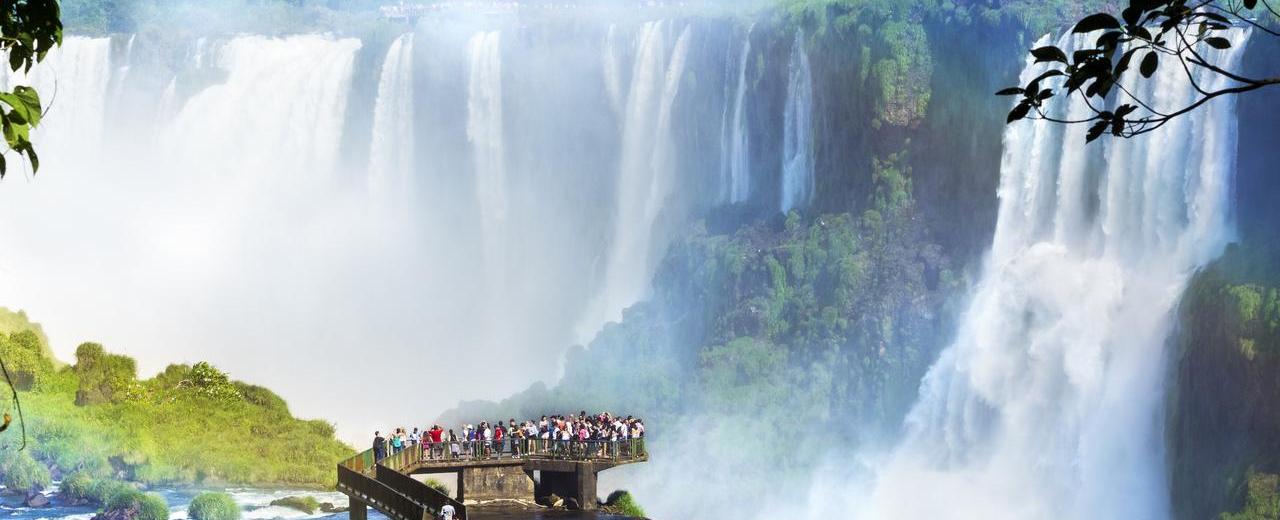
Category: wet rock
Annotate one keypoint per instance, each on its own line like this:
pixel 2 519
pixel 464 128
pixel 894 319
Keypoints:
pixel 551 500
pixel 37 500
pixel 123 513
pixel 328 507
pixel 572 504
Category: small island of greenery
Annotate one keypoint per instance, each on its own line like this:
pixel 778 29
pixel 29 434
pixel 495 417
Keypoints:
pixel 104 432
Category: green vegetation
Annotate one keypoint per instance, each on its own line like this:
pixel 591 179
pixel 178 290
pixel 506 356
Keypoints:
pixel 214 506
pixel 622 503
pixel 28 31
pixel 188 424
pixel 149 506
pixel 306 504
pixel 437 485
pixel 1263 501
pixel 23 473
pixel 1228 354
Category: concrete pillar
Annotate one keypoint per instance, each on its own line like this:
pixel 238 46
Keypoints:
pixel 586 486
pixel 497 482
pixel 359 510
pixel 461 489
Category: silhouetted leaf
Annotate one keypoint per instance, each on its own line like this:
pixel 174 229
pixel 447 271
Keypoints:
pixel 1218 42
pixel 1085 55
pixel 1049 53
pixel 1149 64
pixel 1124 110
pixel 1096 131
pixel 1131 15
pixel 1214 16
pixel 1011 91
pixel 1109 39
pixel 1123 64
pixel 1018 112
pixel 1097 22
pixel 1250 4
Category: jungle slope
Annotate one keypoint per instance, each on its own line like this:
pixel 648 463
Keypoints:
pixel 186 425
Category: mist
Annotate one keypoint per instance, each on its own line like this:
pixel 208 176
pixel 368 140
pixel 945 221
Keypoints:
pixel 801 247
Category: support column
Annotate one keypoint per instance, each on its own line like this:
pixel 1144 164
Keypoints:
pixel 358 510
pixel 462 488
pixel 586 486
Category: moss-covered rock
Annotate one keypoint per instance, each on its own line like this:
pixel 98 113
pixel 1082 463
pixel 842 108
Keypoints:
pixel 306 504
pixel 213 506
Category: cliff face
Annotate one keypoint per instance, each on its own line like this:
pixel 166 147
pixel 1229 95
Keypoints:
pixel 1223 420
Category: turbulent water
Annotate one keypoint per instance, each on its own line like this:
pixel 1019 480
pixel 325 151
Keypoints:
pixel 1049 403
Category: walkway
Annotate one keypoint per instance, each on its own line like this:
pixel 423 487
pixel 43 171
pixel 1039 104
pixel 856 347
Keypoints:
pixel 537 468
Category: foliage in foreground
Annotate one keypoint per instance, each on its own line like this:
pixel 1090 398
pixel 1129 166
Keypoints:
pixel 214 506
pixel 188 424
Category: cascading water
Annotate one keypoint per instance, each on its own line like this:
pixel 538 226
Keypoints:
pixel 613 70
pixel 485 131
pixel 1049 403
pixel 391 146
pixel 735 158
pixel 74 96
pixel 646 176
pixel 797 144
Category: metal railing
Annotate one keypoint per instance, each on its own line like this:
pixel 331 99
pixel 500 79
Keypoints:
pixel 361 463
pixel 429 498
pixel 443 452
pixel 362 487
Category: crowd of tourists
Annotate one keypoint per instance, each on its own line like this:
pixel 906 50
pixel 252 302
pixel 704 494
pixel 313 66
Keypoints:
pixel 580 435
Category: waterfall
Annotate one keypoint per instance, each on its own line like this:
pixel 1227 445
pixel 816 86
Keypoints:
pixel 1049 402
pixel 612 70
pixel 485 131
pixel 797 143
pixel 735 159
pixel 391 146
pixel 73 94
pixel 646 176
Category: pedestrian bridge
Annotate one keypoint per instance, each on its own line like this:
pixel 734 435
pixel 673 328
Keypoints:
pixel 529 469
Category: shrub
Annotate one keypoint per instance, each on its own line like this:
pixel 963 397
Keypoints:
pixel 437 485
pixel 308 505
pixel 77 486
pixel 624 504
pixel 214 506
pixel 23 473
pixel 150 506
pixel 102 491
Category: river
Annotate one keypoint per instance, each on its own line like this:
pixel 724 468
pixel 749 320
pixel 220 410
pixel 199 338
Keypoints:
pixel 256 505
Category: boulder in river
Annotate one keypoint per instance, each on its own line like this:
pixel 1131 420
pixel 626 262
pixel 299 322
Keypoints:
pixel 308 505
pixel 551 500
pixel 328 507
pixel 37 500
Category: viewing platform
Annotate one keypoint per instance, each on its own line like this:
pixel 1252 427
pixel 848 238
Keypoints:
pixel 536 468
